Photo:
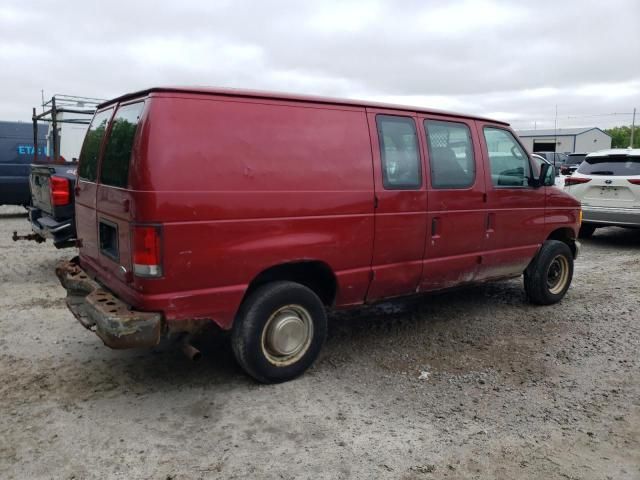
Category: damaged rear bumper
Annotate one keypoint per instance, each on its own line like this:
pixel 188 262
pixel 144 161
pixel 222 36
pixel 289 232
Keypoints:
pixel 101 312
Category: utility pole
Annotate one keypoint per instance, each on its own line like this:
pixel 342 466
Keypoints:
pixel 555 133
pixel 633 126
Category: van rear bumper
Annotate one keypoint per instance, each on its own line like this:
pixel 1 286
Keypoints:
pixel 101 312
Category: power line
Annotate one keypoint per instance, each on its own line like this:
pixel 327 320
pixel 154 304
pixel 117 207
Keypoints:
pixel 569 117
pixel 599 115
pixel 588 115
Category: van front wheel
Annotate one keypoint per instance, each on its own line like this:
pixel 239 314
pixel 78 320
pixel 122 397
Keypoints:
pixel 279 331
pixel 547 278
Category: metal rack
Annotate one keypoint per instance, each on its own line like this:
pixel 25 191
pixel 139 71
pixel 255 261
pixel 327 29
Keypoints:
pixel 82 106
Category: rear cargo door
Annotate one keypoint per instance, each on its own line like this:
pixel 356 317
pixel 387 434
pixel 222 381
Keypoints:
pixel 86 185
pixel 114 197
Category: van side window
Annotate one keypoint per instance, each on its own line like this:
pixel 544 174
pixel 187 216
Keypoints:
pixel 399 152
pixel 450 154
pixel 509 163
pixel 88 162
pixel 117 153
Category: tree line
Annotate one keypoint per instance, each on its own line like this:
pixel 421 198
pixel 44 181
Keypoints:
pixel 620 136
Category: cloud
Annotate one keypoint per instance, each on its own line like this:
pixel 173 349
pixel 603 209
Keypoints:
pixel 461 18
pixel 513 60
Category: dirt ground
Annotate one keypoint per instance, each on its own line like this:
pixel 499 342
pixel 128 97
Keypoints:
pixel 468 384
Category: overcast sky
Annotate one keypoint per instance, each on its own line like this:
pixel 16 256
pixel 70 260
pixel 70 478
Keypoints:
pixel 509 60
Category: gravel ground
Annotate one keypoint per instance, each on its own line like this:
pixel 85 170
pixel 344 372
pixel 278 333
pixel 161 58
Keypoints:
pixel 470 384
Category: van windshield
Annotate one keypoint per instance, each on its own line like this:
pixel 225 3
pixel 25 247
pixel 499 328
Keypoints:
pixel 622 165
pixel 117 153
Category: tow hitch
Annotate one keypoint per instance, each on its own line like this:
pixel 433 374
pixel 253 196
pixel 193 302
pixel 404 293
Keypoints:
pixel 32 236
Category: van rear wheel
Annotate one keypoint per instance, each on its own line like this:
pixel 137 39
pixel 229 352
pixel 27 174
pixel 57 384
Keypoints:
pixel 279 331
pixel 548 277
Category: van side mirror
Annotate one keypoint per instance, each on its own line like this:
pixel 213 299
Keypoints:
pixel 545 179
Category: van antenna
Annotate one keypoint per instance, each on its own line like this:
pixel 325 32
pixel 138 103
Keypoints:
pixel 555 131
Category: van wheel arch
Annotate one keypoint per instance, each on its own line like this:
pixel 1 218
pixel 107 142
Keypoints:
pixel 313 274
pixel 565 235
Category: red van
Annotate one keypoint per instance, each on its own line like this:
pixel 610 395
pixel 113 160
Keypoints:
pixel 258 212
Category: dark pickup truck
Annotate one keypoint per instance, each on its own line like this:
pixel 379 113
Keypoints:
pixel 51 211
pixel 51 186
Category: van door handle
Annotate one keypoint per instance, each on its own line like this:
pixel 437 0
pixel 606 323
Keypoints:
pixel 490 222
pixel 435 227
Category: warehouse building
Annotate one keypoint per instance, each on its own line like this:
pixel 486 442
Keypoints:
pixel 565 140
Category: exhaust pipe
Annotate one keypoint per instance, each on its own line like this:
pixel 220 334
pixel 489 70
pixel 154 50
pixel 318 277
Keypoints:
pixel 190 351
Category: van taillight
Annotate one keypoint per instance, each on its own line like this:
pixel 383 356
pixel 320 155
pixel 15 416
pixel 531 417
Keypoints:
pixel 146 251
pixel 635 181
pixel 575 181
pixel 60 191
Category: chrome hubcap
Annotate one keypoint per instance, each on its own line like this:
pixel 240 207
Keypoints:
pixel 287 335
pixel 558 274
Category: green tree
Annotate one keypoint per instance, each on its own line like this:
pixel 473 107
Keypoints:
pixel 620 136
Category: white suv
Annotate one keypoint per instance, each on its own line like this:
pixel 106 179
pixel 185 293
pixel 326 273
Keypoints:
pixel 607 184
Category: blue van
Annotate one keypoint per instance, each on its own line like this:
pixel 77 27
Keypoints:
pixel 16 157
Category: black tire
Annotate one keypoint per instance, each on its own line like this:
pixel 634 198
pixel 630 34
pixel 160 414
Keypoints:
pixel 257 313
pixel 586 230
pixel 548 276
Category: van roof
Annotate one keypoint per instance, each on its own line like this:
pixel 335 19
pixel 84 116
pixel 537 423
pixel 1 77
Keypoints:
pixel 232 92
